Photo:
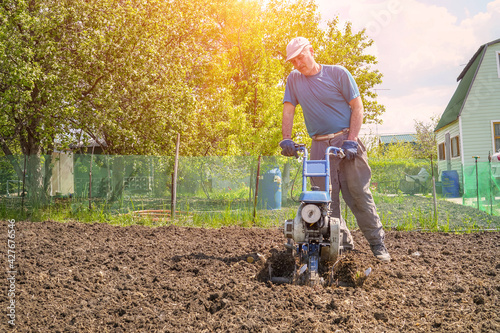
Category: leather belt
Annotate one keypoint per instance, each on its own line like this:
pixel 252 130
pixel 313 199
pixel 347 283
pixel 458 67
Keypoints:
pixel 329 136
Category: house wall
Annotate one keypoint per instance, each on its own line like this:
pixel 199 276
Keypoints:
pixel 481 107
pixel 456 162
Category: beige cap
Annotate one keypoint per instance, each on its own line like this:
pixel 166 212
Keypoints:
pixel 296 46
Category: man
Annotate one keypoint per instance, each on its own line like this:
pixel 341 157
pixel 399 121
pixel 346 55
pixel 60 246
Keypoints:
pixel 333 114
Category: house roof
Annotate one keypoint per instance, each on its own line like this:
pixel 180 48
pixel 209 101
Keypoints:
pixel 387 139
pixel 466 77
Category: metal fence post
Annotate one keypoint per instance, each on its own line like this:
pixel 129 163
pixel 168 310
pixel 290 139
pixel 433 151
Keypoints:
pixel 477 182
pixel 256 191
pixel 434 196
pixel 90 177
pixel 24 181
pixel 174 180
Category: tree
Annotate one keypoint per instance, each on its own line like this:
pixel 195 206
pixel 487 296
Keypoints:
pixel 133 74
pixel 424 147
pixel 120 72
pixel 239 99
pixel 346 48
pixel 136 73
pixel 426 139
pixel 28 32
pixel 393 151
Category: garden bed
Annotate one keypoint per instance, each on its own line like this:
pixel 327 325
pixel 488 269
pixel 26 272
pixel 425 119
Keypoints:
pixel 76 277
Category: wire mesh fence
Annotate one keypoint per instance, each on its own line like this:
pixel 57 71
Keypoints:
pixel 481 187
pixel 123 184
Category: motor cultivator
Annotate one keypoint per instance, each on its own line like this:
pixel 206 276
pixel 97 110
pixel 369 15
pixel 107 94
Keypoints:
pixel 313 237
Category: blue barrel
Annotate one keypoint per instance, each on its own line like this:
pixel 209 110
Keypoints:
pixel 450 184
pixel 270 190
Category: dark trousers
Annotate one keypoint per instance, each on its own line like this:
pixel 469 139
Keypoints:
pixel 352 178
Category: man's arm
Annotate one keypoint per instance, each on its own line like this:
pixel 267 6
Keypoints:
pixel 356 118
pixel 287 123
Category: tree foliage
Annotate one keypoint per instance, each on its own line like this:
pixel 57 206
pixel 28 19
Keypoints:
pixel 132 74
pixel 395 150
pixel 133 87
pixel 347 48
pixel 423 148
pixel 239 99
pixel 118 72
pixel 426 139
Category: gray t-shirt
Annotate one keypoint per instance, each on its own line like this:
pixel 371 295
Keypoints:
pixel 324 98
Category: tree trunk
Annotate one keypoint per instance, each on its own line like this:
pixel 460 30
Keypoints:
pixel 35 181
pixel 12 159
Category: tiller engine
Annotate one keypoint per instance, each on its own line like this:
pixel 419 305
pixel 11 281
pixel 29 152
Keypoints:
pixel 313 236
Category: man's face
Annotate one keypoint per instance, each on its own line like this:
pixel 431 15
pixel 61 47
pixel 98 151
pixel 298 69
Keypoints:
pixel 304 62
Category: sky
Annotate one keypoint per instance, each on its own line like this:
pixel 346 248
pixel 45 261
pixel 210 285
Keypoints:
pixel 421 46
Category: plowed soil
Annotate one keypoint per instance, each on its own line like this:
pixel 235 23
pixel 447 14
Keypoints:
pixel 74 277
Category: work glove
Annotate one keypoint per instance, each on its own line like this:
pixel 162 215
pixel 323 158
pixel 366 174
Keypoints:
pixel 350 148
pixel 288 148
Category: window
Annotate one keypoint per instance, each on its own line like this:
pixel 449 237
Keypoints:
pixel 498 62
pixel 455 147
pixel 441 155
pixel 496 135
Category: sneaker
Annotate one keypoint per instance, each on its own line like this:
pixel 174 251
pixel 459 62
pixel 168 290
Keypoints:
pixel 380 252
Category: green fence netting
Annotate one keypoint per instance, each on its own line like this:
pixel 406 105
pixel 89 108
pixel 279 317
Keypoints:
pixel 481 187
pixel 202 182
pixel 123 184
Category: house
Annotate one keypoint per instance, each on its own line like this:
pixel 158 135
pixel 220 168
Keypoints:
pixel 470 125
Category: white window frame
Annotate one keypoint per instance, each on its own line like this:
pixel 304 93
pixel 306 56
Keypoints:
pixel 455 146
pixel 497 54
pixel 493 122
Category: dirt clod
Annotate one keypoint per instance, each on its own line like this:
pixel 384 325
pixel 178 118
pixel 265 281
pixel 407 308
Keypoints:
pixel 478 299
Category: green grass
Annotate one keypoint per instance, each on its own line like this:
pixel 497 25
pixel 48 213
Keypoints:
pixel 397 212
pixel 417 213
